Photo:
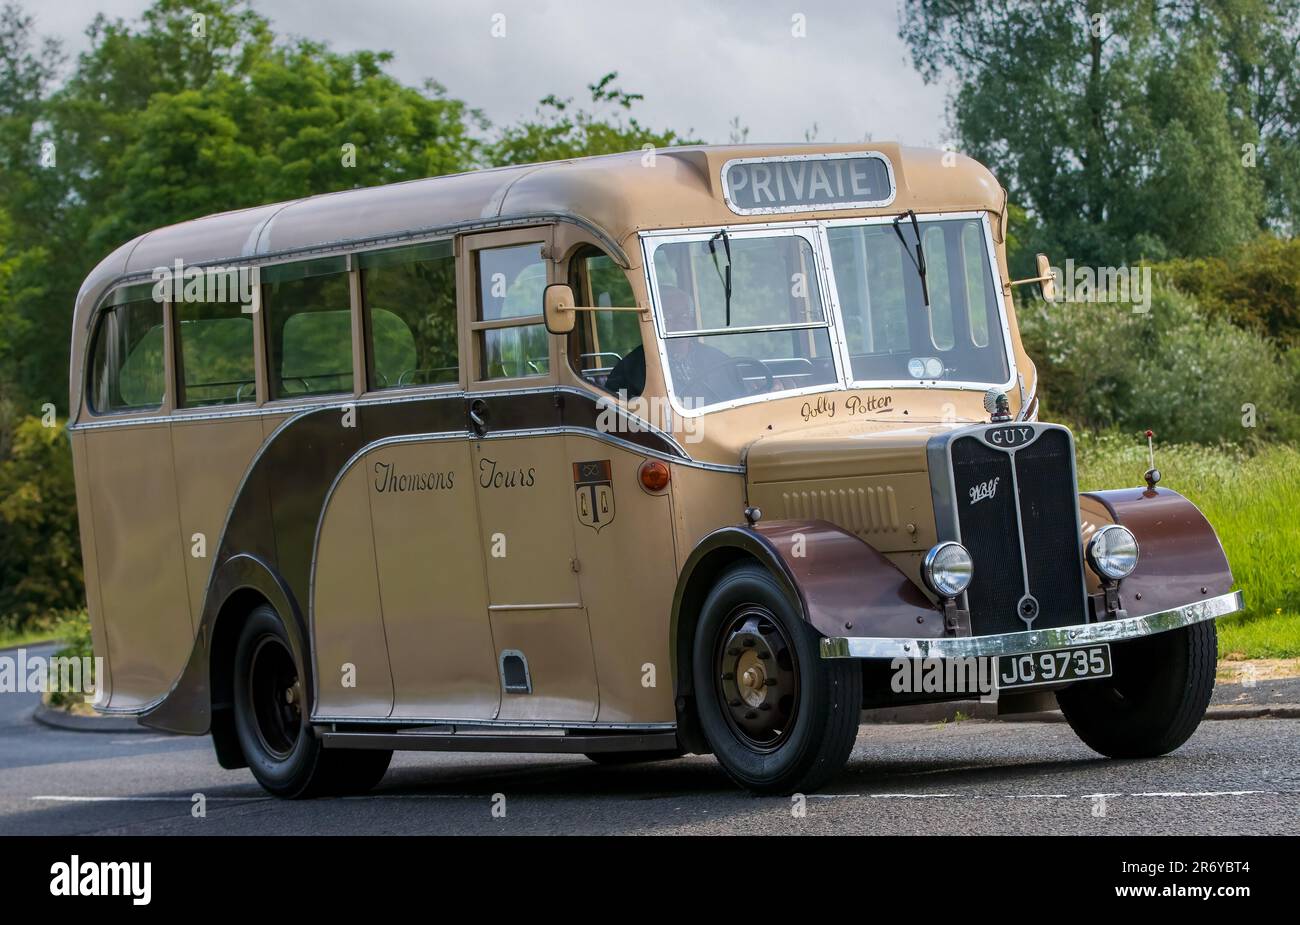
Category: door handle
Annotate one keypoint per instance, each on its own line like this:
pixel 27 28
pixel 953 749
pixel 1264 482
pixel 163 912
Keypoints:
pixel 478 416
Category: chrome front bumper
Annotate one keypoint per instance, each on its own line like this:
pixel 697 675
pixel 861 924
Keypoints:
pixel 1061 637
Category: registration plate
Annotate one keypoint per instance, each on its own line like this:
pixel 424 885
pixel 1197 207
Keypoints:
pixel 1034 669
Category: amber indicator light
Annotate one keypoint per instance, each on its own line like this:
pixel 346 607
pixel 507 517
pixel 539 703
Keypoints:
pixel 654 475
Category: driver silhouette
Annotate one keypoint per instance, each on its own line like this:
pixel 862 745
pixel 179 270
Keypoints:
pixel 700 374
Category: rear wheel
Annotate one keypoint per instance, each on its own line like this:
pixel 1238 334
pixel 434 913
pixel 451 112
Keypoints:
pixel 1156 698
pixel 779 718
pixel 270 719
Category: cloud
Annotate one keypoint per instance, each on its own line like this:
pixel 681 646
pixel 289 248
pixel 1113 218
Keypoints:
pixel 698 65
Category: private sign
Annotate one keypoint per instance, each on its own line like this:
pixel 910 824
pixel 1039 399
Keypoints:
pixel 808 183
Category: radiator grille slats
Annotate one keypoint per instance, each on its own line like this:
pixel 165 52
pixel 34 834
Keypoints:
pixel 990 528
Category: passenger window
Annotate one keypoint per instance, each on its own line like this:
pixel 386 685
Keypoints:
pixel 309 327
pixel 126 359
pixel 409 299
pixel 605 347
pixel 216 353
pixel 509 286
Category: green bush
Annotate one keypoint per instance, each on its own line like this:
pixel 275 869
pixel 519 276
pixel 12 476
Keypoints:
pixel 1187 376
pixel 73 630
pixel 1256 286
pixel 40 549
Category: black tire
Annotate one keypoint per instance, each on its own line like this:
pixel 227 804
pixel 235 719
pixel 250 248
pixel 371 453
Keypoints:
pixel 1157 696
pixel 617 758
pixel 778 723
pixel 283 753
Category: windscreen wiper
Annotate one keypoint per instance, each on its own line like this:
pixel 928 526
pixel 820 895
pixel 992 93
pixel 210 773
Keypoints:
pixel 919 260
pixel 726 279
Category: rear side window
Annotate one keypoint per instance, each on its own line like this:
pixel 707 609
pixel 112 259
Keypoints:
pixel 216 353
pixel 409 299
pixel 308 327
pixel 126 359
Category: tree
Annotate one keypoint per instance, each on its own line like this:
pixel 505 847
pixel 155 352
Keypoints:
pixel 1122 125
pixel 559 131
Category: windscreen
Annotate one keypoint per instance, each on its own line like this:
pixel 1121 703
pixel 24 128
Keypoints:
pixel 890 332
pixel 742 315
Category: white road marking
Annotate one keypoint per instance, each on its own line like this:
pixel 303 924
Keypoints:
pixel 1165 794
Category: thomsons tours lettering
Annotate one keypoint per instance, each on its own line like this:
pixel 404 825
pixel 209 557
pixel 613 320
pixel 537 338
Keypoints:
pixel 489 476
pixel 387 478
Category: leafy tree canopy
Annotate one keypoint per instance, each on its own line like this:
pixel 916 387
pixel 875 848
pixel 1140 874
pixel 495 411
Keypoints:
pixel 1128 129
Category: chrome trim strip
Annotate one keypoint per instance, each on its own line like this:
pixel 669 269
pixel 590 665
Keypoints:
pixel 490 723
pixel 1060 637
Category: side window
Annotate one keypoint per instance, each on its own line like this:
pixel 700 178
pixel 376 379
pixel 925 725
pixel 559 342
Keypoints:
pixel 216 353
pixel 308 327
pixel 511 340
pixel 126 358
pixel 603 342
pixel 408 297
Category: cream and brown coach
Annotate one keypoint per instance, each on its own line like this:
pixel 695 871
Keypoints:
pixel 627 456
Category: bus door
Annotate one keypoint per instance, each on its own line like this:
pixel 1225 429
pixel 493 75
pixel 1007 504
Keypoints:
pixel 524 482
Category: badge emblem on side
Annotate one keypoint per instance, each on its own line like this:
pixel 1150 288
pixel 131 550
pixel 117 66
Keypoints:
pixel 593 492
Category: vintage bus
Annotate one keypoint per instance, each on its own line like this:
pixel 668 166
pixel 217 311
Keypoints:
pixel 677 451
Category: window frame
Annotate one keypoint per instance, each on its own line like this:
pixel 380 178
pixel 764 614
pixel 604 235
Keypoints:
pixel 468 298
pixel 578 276
pixel 122 295
pixel 816 230
pixel 810 232
pixel 262 334
pixel 361 315
pixel 991 261
pixel 177 357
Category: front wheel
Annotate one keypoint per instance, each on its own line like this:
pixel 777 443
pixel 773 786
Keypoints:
pixel 1154 701
pixel 284 755
pixel 779 718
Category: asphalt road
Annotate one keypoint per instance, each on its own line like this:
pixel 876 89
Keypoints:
pixel 1234 777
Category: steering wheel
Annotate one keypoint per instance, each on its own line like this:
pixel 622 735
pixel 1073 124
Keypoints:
pixel 739 364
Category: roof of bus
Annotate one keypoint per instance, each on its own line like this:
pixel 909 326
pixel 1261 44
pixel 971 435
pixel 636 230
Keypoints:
pixel 619 194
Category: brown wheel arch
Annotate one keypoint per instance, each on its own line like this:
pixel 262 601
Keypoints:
pixel 841 587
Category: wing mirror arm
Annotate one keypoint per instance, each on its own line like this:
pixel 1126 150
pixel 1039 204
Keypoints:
pixel 560 312
pixel 1046 279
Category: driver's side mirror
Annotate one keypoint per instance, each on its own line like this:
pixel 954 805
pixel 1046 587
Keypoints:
pixel 557 308
pixel 560 313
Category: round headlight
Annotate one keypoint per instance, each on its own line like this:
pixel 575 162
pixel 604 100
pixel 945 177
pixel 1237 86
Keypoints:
pixel 1113 552
pixel 947 569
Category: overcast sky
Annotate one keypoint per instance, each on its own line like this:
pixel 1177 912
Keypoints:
pixel 698 64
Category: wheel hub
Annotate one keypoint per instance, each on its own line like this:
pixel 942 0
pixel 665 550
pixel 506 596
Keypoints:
pixel 758 678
